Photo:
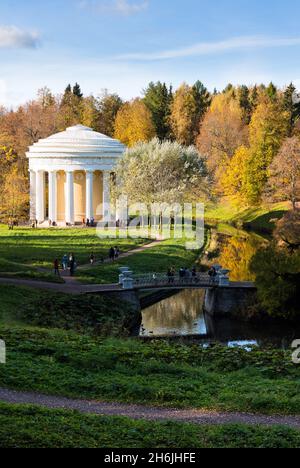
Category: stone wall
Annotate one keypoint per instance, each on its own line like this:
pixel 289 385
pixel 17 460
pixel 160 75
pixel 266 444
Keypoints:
pixel 222 301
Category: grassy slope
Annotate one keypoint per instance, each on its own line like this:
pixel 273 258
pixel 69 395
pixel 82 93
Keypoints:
pixel 26 247
pixel 34 427
pixel 257 218
pixel 156 373
pixel 171 253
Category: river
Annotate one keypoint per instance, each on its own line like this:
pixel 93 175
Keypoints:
pixel 182 314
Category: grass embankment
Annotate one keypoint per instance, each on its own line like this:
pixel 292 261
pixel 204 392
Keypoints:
pixel 92 314
pixel 259 219
pixel 34 427
pixel 156 373
pixel 170 253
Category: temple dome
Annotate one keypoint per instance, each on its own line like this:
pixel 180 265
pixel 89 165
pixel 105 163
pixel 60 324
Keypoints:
pixel 75 142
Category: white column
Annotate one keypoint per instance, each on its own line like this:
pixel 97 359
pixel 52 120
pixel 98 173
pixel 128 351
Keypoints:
pixel 106 195
pixel 70 198
pixel 89 195
pixel 40 196
pixel 52 197
pixel 32 196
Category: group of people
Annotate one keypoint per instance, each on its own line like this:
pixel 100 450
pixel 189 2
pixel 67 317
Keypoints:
pixel 114 253
pixel 68 262
pixel 184 274
pixel 89 222
pixel 12 223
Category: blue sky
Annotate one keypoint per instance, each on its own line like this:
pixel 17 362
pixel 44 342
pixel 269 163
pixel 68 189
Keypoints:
pixel 121 45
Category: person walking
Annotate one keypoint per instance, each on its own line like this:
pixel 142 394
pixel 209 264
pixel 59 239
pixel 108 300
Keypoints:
pixel 112 254
pixel 72 265
pixel 65 262
pixel 117 252
pixel 212 274
pixel 56 267
pixel 92 259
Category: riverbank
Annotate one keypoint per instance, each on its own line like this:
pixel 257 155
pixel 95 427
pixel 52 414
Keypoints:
pixel 259 219
pixel 158 374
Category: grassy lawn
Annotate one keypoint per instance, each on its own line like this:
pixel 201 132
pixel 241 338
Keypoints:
pixel 256 218
pixel 39 248
pixel 170 253
pixel 35 427
pixel 157 373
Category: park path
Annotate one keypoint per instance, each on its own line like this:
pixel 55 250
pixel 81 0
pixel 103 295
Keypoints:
pixel 72 285
pixel 202 417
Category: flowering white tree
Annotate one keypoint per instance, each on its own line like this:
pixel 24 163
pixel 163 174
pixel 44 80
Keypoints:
pixel 162 172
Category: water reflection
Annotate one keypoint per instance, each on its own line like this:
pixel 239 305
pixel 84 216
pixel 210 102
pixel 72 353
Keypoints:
pixel 180 315
pixel 236 254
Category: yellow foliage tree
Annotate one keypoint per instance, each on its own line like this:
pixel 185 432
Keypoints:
pixel 14 200
pixel 268 128
pixel 134 123
pixel 234 177
pixel 182 115
pixel 222 133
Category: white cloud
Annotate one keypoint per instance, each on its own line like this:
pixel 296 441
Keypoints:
pixel 13 37
pixel 209 48
pixel 123 7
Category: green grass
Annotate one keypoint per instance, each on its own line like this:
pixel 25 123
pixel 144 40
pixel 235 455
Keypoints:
pixel 170 253
pixel 255 218
pixel 156 373
pixel 96 315
pixel 39 248
pixel 35 427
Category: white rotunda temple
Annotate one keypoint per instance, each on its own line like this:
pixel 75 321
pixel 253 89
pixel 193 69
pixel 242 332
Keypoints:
pixel 70 175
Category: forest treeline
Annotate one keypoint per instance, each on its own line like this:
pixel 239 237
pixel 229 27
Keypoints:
pixel 248 136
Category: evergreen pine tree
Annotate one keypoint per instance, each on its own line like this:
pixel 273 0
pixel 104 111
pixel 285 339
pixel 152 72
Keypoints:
pixel 203 100
pixel 158 99
pixel 272 91
pixel 77 91
pixel 254 98
pixel 291 104
pixel 245 104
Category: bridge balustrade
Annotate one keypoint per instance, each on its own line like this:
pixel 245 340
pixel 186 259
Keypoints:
pixel 163 280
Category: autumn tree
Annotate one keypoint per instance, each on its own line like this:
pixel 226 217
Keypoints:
pixel 14 201
pixel 222 132
pixel 284 173
pixel 268 128
pixel 134 123
pixel 158 98
pixel 109 106
pixel 234 177
pixel 188 109
pixel 90 114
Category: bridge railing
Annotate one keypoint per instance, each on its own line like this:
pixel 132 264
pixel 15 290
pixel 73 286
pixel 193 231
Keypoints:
pixel 161 279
